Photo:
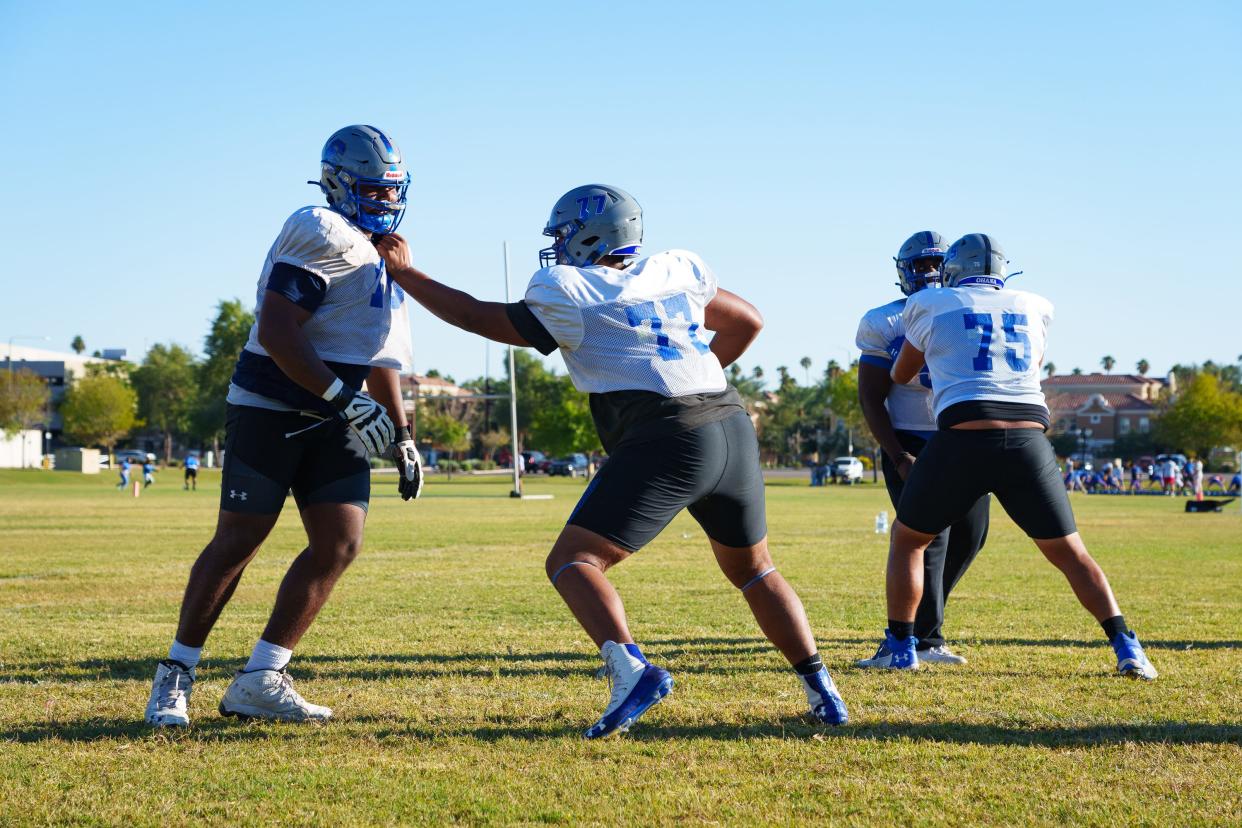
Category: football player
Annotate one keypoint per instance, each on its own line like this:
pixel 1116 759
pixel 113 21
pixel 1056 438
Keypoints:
pixel 900 418
pixel 633 333
pixel 983 345
pixel 328 318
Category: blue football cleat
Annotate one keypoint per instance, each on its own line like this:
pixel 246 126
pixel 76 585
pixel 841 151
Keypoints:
pixel 826 704
pixel 637 685
pixel 1132 662
pixel 893 654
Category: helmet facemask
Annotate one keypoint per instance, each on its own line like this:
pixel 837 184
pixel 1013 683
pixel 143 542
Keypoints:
pixel 919 272
pixel 556 253
pixel 344 192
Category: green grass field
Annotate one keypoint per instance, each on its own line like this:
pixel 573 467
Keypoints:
pixel 461 684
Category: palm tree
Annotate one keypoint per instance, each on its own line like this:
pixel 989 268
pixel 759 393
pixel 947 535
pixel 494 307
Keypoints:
pixel 78 345
pixel 1108 362
pixel 1050 368
pixel 834 369
pixel 1143 367
pixel 805 362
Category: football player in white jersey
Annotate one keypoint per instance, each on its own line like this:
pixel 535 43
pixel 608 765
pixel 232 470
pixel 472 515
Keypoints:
pixel 900 417
pixel 983 345
pixel 328 319
pixel 632 332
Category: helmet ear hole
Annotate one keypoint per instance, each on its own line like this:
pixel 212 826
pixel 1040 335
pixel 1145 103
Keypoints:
pixel 590 241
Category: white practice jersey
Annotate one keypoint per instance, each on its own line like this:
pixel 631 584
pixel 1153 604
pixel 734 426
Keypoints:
pixel 636 329
pixel 363 318
pixel 980 343
pixel 881 334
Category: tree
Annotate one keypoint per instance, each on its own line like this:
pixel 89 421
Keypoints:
pixel 99 410
pixel 1203 416
pixel 805 362
pixel 493 441
pixel 1050 368
pixel 1064 444
pixel 78 344
pixel 167 390
pixel 748 388
pixel 23 403
pixel 229 332
pixel 1076 372
pixel 1108 362
pixel 563 423
pixel 444 431
pixel 1143 367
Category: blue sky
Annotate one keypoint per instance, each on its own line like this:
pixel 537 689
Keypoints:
pixel 153 154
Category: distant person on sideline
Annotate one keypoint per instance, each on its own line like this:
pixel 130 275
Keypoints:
pixel 191 472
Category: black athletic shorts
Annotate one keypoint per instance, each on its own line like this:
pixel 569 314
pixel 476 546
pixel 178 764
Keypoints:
pixel 267 453
pixel 191 472
pixel 958 466
pixel 712 469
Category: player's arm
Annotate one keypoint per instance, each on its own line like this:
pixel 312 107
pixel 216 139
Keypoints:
pixel 874 384
pixel 456 307
pixel 290 299
pixel 384 384
pixel 909 363
pixel 280 334
pixel 736 323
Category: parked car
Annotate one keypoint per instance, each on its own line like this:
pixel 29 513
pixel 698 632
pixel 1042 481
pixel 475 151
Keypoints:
pixel 571 466
pixel 535 461
pixel 848 469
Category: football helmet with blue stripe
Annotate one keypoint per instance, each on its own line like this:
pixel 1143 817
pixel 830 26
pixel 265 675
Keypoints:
pixel 919 260
pixel 358 163
pixel 591 222
pixel 975 259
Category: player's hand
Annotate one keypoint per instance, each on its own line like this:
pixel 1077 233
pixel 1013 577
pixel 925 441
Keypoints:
pixel 905 463
pixel 409 464
pixel 395 250
pixel 366 418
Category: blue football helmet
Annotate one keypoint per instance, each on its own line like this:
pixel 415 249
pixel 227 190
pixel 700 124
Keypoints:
pixel 591 222
pixel 975 259
pixel 919 261
pixel 362 156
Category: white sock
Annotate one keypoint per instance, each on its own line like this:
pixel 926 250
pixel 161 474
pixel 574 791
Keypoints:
pixel 634 664
pixel 268 656
pixel 189 656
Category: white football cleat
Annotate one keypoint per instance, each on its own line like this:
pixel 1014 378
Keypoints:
pixel 941 654
pixel 170 695
pixel 269 694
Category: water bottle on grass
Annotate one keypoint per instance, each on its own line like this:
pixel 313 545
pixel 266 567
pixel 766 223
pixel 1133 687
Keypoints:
pixel 881 523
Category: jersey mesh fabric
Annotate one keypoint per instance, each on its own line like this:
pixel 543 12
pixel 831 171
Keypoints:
pixel 637 329
pixel 980 343
pixel 881 334
pixel 363 318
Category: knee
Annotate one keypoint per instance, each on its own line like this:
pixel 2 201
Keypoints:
pixel 745 568
pixel 907 540
pixel 229 549
pixel 560 558
pixel 339 554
